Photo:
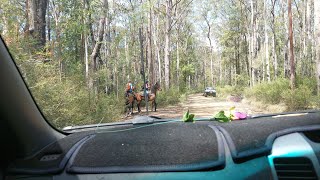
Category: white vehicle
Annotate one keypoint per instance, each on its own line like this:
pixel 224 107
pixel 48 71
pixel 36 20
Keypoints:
pixel 210 91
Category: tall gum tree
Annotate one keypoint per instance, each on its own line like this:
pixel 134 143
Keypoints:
pixel 292 63
pixel 37 20
pixel 317 39
pixel 167 44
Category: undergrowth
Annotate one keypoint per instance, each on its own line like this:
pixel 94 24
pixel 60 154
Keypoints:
pixel 279 92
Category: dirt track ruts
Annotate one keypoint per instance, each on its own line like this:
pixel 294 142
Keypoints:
pixel 203 107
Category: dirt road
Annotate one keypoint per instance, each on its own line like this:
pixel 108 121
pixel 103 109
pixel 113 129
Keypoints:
pixel 208 106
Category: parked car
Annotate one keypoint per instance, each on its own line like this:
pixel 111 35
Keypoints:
pixel 210 91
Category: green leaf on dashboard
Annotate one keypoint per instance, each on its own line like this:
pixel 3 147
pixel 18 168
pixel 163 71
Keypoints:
pixel 188 117
pixel 221 117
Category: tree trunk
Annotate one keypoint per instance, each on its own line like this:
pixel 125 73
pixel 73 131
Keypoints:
pixel 220 69
pixel 96 50
pixel 292 63
pixel 178 65
pixel 286 42
pixel 252 44
pixel 167 44
pixel 56 15
pixel 204 68
pixel 266 38
pixel 237 57
pixel 85 46
pixel 48 24
pixel 317 40
pixel 274 42
pixel 274 52
pixel 150 50
pixel 86 57
pixel 157 51
pixel 304 35
pixel 309 35
pixel 211 52
pixel 37 21
pixel 87 6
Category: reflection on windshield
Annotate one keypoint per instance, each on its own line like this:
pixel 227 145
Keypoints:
pixel 101 61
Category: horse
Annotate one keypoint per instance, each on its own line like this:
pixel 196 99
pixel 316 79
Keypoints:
pixel 129 104
pixel 151 97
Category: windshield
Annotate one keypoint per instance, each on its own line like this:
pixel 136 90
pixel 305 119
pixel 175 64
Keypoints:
pixel 102 61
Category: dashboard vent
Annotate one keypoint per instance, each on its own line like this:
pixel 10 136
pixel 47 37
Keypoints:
pixel 294 168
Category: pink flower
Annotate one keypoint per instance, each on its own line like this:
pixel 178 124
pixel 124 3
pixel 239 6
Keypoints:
pixel 239 116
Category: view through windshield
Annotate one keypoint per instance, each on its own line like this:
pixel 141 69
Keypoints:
pixel 100 61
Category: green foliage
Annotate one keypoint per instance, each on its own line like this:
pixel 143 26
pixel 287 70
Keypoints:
pixel 188 70
pixel 315 102
pixel 297 99
pixel 279 92
pixel 310 82
pixel 69 103
pixel 169 97
pixel 221 117
pixel 269 92
pixel 187 117
pixel 229 90
pixel 241 81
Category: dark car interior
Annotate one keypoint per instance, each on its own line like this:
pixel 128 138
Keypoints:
pixel 274 146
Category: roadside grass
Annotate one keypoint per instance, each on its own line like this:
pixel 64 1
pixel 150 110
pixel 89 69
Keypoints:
pixel 273 108
pixel 224 92
pixel 170 97
pixel 68 104
pixel 277 96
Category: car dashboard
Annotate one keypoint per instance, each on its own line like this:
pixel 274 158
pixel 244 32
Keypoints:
pixel 274 147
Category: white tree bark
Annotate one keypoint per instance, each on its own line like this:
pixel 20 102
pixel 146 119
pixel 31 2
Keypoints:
pixel 167 44
pixel 309 16
pixel 305 30
pixel 266 41
pixel 86 56
pixel 150 47
pixel 317 39
pixel 252 44
pixel 178 65
pixel 274 40
pixel 96 49
pixel 157 51
pixel 292 62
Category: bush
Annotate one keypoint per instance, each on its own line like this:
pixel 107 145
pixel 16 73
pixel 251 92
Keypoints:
pixel 229 90
pixel 68 104
pixel 170 97
pixel 279 91
pixel 315 101
pixel 297 99
pixel 311 83
pixel 269 92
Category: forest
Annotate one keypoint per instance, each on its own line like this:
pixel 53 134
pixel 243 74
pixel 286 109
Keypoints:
pixel 77 55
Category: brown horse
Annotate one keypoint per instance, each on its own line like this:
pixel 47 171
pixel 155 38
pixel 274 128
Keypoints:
pixel 151 97
pixel 129 104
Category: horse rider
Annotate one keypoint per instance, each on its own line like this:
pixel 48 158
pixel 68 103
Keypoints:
pixel 129 88
pixel 147 86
